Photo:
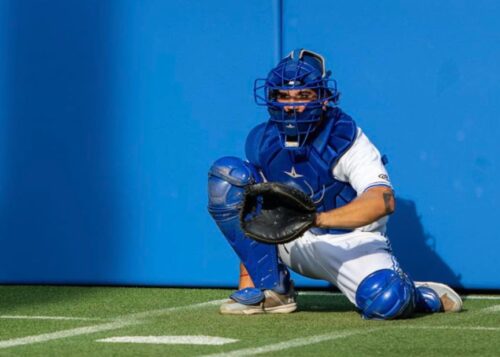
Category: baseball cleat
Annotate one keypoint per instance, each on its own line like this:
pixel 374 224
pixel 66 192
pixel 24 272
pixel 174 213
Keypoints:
pixel 450 300
pixel 273 303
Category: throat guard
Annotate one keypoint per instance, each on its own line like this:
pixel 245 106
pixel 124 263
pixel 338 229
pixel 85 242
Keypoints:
pixel 309 169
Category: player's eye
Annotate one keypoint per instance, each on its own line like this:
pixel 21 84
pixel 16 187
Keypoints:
pixel 307 95
pixel 283 96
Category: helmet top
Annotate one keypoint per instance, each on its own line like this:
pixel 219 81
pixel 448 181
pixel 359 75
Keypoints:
pixel 300 69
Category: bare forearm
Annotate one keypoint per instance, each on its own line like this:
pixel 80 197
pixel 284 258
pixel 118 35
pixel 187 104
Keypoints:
pixel 367 208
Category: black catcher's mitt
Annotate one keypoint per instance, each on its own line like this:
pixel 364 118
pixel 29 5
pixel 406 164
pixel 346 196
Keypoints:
pixel 276 213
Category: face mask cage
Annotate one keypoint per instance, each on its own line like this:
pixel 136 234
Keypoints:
pixel 295 126
pixel 266 93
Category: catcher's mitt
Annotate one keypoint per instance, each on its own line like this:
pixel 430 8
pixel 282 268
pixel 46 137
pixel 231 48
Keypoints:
pixel 276 213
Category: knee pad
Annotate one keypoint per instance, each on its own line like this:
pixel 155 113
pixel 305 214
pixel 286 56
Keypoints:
pixel 227 179
pixel 386 294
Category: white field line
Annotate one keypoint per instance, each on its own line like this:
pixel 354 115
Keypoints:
pixel 319 293
pixel 327 337
pixel 484 310
pixel 290 344
pixel 31 317
pixel 171 340
pixel 123 321
pixel 494 308
pixel 159 312
pixel 478 328
pixel 28 340
pixel 481 297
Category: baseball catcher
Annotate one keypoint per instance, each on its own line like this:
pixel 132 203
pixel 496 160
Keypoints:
pixel 313 195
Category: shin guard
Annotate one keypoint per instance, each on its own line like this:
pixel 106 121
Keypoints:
pixel 227 179
pixel 427 300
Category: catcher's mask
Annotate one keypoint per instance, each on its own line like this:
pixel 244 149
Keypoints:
pixel 296 120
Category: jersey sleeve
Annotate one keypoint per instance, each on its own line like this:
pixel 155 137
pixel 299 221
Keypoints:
pixel 361 166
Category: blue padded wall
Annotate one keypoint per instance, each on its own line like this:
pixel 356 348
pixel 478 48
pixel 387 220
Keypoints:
pixel 58 208
pixel 113 114
pixel 112 111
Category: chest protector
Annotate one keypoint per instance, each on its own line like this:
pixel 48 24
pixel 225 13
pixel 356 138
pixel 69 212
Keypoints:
pixel 310 168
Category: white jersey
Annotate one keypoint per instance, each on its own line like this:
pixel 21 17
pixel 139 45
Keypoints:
pixel 361 166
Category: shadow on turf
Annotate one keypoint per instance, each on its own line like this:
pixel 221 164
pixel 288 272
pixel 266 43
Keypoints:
pixel 332 303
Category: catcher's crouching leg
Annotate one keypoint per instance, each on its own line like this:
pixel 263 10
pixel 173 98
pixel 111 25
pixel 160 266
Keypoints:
pixel 273 290
pixel 386 294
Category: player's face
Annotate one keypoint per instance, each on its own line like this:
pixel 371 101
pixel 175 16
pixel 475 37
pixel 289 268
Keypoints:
pixel 294 97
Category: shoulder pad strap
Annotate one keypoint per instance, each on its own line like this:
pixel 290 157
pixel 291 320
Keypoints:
pixel 336 140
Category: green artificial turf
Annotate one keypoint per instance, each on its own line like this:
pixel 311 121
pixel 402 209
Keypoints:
pixel 325 325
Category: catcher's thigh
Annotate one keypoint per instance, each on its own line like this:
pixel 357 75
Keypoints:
pixel 344 259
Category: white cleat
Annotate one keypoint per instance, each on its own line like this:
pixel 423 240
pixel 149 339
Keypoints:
pixel 450 300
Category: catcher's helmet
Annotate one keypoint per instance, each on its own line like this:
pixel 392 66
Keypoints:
pixel 301 69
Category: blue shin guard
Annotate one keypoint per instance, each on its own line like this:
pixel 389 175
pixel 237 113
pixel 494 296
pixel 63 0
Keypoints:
pixel 427 300
pixel 227 179
pixel 386 294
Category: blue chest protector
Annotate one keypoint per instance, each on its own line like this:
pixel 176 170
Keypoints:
pixel 309 169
